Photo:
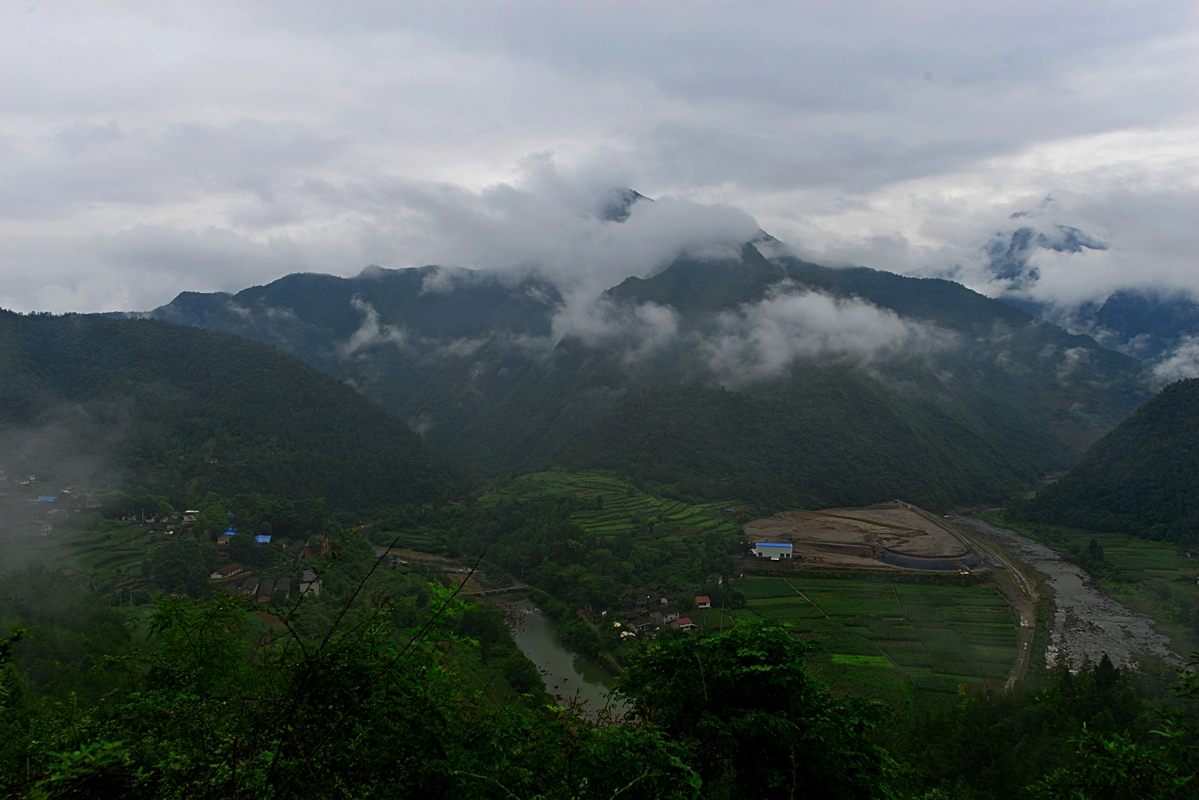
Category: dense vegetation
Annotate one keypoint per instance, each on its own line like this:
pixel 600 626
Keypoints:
pixel 472 365
pixel 834 437
pixel 183 412
pixel 1141 479
pixel 398 689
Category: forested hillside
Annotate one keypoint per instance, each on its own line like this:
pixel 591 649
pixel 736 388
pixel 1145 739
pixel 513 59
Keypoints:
pixel 1142 478
pixel 751 375
pixel 973 401
pixel 183 412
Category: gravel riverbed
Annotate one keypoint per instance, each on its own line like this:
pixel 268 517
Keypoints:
pixel 1086 623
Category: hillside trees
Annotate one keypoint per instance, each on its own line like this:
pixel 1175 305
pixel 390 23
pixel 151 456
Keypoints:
pixel 754 722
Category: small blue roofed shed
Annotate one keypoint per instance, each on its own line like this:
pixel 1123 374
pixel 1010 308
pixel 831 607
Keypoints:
pixel 262 538
pixel 772 550
pixel 47 498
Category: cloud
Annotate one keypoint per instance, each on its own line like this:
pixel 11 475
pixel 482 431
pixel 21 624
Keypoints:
pixel 1181 363
pixel 327 138
pixel 371 333
pixel 760 341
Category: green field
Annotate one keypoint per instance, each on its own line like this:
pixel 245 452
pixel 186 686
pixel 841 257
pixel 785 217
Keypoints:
pixel 111 555
pixel 891 640
pixel 621 508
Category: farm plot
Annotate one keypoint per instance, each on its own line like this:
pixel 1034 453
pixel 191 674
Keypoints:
pixel 612 506
pixel 877 634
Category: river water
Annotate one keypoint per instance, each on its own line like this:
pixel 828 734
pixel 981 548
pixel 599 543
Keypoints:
pixel 1086 623
pixel 566 674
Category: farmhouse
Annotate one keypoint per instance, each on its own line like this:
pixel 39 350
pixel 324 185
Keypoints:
pixel 772 550
pixel 685 624
pixel 666 615
pixel 703 601
pixel 227 571
pixel 265 590
pixel 309 583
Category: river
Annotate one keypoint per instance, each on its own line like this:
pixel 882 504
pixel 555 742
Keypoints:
pixel 1086 623
pixel 565 673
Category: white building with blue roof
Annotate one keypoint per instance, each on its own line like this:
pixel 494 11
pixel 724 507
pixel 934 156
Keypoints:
pixel 772 550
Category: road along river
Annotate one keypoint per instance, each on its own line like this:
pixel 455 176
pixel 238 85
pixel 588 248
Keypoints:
pixel 1086 623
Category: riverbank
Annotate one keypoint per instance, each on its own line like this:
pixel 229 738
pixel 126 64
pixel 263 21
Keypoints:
pixel 1086 623
pixel 567 675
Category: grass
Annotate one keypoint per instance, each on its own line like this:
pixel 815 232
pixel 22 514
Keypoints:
pixel 892 640
pixel 619 507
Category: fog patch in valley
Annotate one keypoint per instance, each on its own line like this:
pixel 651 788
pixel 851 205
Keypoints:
pixel 760 341
pixel 68 451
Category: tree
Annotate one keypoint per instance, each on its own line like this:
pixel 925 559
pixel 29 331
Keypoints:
pixel 756 724
pixel 1114 766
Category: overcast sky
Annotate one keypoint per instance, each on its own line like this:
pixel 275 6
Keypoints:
pixel 151 146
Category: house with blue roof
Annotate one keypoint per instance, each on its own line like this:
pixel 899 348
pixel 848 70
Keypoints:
pixel 772 550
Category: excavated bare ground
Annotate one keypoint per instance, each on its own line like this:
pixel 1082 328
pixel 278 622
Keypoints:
pixel 854 537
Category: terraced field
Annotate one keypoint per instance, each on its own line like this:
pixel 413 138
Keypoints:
pixel 621 508
pixel 892 640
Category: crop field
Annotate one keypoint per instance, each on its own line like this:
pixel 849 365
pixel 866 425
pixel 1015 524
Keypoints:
pixel 109 555
pixel 892 640
pixel 621 508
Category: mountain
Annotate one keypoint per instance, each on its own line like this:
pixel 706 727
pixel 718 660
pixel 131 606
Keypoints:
pixel 978 400
pixel 1158 326
pixel 431 344
pixel 1142 478
pixel 183 411
pixel 743 373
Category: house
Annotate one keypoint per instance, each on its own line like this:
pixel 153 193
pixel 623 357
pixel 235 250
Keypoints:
pixel 262 539
pixel 685 624
pixel 283 587
pixel 249 587
pixel 309 583
pixel 641 623
pixel 297 548
pixel 189 517
pixel 641 598
pixel 666 615
pixel 265 590
pixel 772 550
pixel 703 601
pixel 715 578
pixel 227 571
pixel 41 526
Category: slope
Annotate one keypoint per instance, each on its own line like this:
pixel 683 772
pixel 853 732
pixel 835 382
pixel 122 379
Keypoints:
pixel 992 400
pixel 1141 479
pixel 393 333
pixel 182 412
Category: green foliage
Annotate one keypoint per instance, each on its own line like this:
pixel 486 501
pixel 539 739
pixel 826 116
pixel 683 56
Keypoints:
pixel 754 722
pixel 360 710
pixel 182 412
pixel 1141 479
pixel 1162 766
pixel 1000 745
pixel 182 564
pixel 67 632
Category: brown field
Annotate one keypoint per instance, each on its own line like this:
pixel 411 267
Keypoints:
pixel 858 537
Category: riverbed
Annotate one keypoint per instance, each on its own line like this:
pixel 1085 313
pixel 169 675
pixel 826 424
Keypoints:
pixel 1086 623
pixel 566 674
